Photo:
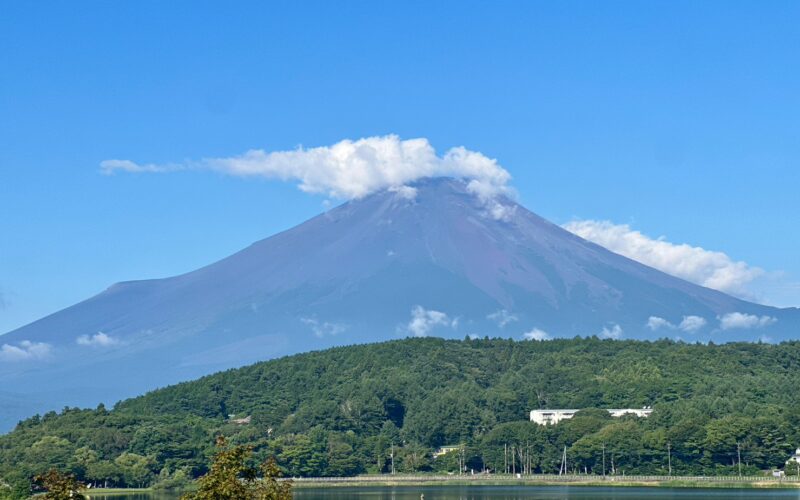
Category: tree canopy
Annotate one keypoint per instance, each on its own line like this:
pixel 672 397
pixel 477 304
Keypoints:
pixel 358 409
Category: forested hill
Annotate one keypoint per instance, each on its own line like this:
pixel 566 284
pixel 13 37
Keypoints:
pixel 339 411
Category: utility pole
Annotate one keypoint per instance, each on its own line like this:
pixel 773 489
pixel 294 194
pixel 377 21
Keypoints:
pixel 505 458
pixel 669 457
pixel 739 457
pixel 604 460
pixel 392 456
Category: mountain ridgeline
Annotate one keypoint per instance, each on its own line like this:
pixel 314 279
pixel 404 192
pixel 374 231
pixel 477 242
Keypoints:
pixel 431 259
pixel 343 410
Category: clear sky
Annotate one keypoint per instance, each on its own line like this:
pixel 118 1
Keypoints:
pixel 680 119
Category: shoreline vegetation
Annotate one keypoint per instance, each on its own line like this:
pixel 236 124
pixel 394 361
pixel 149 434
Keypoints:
pixel 388 480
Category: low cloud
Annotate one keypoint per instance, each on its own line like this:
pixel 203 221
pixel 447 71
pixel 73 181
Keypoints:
pixel 324 328
pixel 656 323
pixel 536 334
pixel 502 317
pixel 692 324
pixel 614 332
pixel 705 267
pixel 744 321
pixel 99 339
pixel 424 320
pixel 689 324
pixel 25 351
pixel 350 169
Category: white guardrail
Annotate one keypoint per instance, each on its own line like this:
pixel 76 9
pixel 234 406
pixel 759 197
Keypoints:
pixel 555 478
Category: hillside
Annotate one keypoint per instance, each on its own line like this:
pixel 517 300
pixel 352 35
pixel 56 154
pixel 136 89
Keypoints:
pixel 340 411
pixel 433 259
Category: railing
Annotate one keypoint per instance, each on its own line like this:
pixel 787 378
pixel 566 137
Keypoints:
pixel 550 478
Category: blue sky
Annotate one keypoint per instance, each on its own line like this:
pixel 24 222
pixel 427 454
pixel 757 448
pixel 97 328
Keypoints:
pixel 677 118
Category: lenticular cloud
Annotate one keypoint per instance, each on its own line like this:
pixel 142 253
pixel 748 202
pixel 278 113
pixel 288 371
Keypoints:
pixel 348 169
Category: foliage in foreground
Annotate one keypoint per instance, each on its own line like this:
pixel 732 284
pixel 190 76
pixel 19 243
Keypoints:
pixel 59 486
pixel 360 409
pixel 230 478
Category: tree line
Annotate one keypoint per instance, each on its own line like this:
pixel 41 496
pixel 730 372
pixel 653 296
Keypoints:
pixel 718 409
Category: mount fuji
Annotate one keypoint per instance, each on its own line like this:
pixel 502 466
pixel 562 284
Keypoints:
pixel 430 258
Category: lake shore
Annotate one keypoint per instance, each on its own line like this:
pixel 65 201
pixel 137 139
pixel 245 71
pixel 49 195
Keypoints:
pixel 385 480
pixel 554 480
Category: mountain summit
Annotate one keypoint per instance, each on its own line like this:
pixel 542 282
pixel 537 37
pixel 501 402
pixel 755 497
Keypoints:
pixel 431 258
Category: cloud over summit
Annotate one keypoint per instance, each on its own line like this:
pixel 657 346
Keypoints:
pixel 348 169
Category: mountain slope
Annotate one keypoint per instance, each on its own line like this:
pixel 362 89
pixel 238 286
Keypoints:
pixel 340 411
pixel 434 261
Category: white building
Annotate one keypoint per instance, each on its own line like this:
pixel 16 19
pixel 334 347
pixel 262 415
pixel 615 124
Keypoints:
pixel 444 450
pixel 545 417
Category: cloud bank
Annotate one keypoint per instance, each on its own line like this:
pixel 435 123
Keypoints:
pixel 613 332
pixel 744 321
pixel 323 328
pixel 705 267
pixel 536 334
pixel 25 351
pixel 349 169
pixel 502 317
pixel 99 339
pixel 424 320
pixel 689 324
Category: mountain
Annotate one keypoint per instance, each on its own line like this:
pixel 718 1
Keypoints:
pixel 431 258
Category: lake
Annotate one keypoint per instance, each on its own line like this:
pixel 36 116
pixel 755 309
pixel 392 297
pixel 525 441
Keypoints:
pixel 507 493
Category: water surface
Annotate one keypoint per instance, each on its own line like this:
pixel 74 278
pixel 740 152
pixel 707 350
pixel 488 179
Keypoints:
pixel 475 492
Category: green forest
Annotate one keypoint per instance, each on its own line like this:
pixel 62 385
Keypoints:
pixel 718 409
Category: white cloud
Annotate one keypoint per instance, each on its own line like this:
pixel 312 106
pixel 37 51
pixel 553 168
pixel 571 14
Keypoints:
pixel 424 320
pixel 25 351
pixel 692 323
pixel 324 328
pixel 745 321
pixel 655 323
pixel 615 332
pixel 350 169
pixel 405 192
pixel 536 334
pixel 99 339
pixel 111 166
pixel 689 324
pixel 502 317
pixel 707 268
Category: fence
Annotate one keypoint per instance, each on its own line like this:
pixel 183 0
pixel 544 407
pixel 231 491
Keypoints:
pixel 544 478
